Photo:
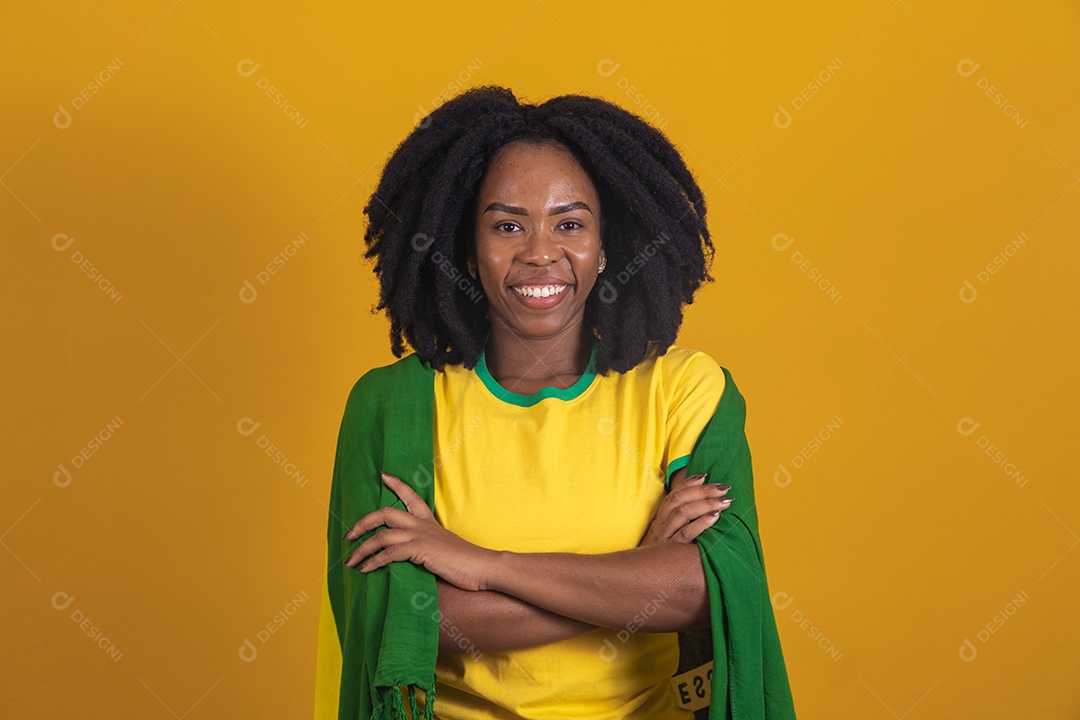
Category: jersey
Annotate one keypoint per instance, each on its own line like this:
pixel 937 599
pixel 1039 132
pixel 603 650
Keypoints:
pixel 579 470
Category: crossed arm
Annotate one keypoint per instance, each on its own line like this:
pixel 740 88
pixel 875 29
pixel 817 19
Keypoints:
pixel 503 600
pixel 543 597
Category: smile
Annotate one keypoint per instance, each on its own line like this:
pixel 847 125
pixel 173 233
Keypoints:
pixel 539 291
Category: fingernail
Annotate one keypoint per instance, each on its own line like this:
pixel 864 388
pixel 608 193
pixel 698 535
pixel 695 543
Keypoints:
pixel 726 500
pixel 715 513
pixel 723 487
pixel 699 476
pixel 346 534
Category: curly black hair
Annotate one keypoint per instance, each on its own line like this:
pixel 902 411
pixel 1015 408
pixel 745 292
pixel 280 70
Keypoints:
pixel 421 219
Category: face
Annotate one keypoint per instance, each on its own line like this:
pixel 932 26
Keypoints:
pixel 537 245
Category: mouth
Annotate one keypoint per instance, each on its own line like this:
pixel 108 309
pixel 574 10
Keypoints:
pixel 538 291
pixel 541 297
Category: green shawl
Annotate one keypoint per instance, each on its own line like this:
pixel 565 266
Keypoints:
pixel 387 620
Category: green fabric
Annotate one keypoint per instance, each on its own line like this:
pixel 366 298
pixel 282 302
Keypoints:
pixel 749 679
pixel 388 620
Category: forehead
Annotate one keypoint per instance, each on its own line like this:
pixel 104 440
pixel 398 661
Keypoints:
pixel 523 167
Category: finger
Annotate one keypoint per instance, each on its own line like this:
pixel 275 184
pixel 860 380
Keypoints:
pixel 691 513
pixel 689 533
pixel 393 553
pixel 709 491
pixel 679 484
pixel 388 516
pixel 413 502
pixel 375 543
pixel 692 488
pixel 701 491
pixel 674 506
pixel 680 480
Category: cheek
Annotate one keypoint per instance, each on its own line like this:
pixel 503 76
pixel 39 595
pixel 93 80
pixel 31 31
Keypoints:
pixel 491 260
pixel 586 260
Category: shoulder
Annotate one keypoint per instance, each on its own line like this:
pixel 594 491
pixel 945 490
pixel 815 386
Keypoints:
pixel 403 377
pixel 684 370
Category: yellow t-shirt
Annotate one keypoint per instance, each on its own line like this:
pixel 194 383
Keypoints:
pixel 579 470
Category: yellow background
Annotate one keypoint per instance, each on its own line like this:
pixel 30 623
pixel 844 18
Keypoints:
pixel 892 545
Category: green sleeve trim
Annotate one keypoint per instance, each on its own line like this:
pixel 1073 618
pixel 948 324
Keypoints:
pixel 673 467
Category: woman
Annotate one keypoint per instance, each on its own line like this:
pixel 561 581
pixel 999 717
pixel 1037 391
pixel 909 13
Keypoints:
pixel 530 541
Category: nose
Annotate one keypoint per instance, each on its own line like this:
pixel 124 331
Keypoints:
pixel 541 247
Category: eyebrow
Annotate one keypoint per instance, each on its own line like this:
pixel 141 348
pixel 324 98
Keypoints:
pixel 557 210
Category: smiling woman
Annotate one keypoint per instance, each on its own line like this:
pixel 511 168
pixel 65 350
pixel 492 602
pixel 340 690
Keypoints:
pixel 537 244
pixel 546 468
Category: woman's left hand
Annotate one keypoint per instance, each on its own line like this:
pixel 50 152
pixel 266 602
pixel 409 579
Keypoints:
pixel 416 536
pixel 690 508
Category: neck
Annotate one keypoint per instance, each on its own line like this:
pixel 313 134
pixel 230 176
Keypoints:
pixel 532 363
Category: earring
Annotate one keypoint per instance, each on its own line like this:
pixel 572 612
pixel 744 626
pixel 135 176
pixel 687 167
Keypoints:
pixel 471 268
pixel 603 264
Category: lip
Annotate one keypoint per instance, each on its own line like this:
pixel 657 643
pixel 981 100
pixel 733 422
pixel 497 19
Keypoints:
pixel 541 280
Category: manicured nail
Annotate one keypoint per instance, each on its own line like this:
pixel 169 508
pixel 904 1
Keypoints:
pixel 726 500
pixel 346 534
pixel 723 487
pixel 715 513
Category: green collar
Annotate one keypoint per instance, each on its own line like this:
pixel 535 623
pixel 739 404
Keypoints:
pixel 514 398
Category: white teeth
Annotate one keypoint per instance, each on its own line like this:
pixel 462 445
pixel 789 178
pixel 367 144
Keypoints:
pixel 540 291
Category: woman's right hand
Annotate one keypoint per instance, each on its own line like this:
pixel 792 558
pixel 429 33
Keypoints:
pixel 690 507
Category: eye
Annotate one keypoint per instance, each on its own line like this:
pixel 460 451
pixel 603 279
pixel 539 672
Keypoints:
pixel 570 225
pixel 506 226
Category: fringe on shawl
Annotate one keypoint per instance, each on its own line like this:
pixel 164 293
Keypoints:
pixel 390 706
